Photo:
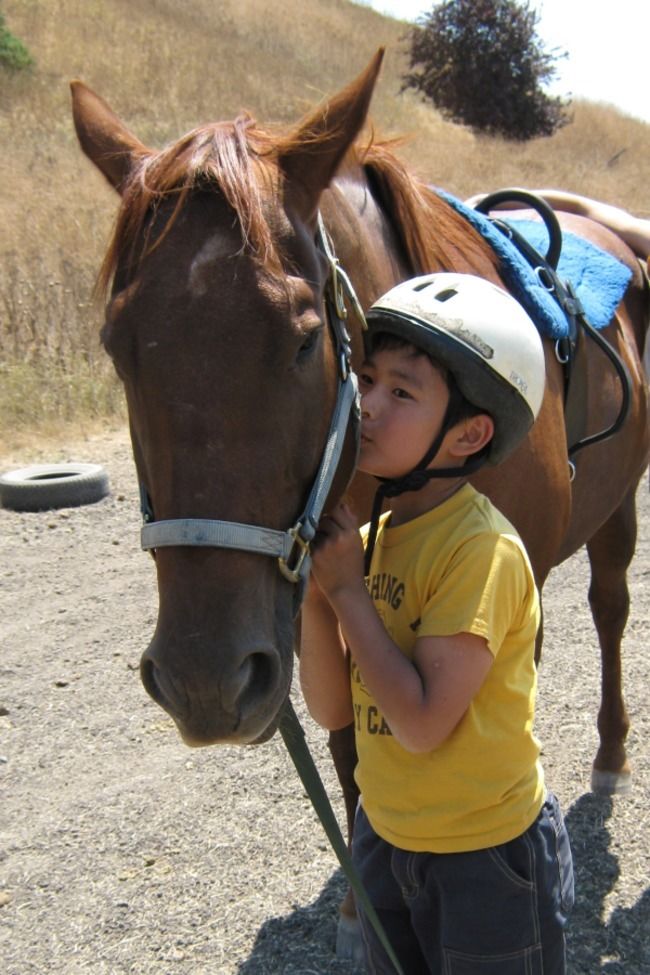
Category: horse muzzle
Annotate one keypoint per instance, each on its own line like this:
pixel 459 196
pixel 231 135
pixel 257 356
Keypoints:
pixel 234 700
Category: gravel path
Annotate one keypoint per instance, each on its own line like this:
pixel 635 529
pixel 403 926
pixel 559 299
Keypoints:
pixel 122 851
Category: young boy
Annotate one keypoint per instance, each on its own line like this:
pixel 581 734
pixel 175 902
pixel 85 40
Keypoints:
pixel 463 853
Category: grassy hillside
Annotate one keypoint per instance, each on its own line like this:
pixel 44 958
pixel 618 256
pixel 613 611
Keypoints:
pixel 165 67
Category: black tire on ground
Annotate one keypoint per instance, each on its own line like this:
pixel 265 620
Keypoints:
pixel 46 486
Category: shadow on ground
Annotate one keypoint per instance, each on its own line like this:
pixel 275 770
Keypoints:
pixel 621 945
pixel 302 943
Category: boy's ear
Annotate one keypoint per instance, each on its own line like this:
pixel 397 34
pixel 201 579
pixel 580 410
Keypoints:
pixel 471 435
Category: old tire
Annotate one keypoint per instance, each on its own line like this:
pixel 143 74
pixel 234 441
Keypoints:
pixel 46 486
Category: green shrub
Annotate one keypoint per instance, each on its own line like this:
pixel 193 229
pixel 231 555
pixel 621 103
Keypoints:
pixel 13 53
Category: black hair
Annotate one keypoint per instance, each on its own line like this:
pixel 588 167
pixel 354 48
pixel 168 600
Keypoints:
pixel 376 341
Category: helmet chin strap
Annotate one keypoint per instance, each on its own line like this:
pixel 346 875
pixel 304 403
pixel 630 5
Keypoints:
pixel 421 474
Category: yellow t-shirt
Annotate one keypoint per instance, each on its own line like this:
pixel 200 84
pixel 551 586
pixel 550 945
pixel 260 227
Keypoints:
pixel 459 568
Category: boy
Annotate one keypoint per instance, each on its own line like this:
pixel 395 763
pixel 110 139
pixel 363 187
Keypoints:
pixel 464 855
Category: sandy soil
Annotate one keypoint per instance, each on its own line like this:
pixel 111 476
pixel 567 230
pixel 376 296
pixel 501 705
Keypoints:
pixel 122 851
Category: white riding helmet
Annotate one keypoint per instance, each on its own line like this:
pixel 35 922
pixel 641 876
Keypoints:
pixel 483 336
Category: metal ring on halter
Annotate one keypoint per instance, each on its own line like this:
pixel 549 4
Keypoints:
pixel 291 567
pixel 572 472
pixel 561 358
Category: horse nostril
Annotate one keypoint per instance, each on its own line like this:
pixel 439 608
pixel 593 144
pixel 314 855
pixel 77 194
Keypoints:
pixel 150 682
pixel 172 695
pixel 232 699
pixel 252 681
pixel 264 668
pixel 237 689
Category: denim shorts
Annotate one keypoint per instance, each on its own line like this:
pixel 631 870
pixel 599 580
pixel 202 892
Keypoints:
pixel 497 911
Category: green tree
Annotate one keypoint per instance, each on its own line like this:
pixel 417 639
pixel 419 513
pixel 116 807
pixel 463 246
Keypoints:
pixel 483 65
pixel 13 53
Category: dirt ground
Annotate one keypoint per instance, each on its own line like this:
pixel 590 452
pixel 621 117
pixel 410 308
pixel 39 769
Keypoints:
pixel 122 851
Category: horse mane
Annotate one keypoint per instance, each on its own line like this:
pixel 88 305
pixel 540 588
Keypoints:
pixel 434 236
pixel 238 159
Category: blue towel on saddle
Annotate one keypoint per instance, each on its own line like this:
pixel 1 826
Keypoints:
pixel 599 280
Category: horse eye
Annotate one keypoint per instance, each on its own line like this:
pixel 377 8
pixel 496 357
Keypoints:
pixel 309 343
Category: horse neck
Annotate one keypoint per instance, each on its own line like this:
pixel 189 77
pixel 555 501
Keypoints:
pixel 388 226
pixel 364 240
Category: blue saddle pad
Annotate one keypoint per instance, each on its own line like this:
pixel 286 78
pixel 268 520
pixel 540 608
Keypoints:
pixel 599 280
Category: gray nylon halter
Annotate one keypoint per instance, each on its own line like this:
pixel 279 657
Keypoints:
pixel 291 547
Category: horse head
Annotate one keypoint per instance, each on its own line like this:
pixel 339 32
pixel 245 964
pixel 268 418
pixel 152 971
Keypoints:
pixel 216 325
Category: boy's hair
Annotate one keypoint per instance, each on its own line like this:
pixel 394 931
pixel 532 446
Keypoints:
pixel 377 341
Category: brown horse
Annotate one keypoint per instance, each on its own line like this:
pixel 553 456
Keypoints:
pixel 216 326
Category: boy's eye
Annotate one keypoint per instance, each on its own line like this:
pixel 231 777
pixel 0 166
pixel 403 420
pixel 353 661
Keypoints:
pixel 401 393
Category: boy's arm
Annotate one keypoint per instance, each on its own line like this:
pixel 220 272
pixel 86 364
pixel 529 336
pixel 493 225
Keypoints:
pixel 323 665
pixel 422 699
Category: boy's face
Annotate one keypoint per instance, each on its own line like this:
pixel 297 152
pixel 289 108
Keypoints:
pixel 403 403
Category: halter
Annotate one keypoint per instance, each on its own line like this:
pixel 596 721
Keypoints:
pixel 291 547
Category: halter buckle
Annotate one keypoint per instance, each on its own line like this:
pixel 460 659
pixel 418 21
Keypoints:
pixel 299 552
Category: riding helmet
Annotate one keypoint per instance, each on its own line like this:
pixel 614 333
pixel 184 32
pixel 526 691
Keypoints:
pixel 485 339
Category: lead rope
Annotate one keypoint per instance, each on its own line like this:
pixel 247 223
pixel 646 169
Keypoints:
pixel 289 725
pixel 294 738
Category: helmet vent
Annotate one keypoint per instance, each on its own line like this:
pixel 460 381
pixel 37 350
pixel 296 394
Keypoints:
pixel 446 294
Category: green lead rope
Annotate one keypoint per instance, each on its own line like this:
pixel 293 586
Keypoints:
pixel 294 738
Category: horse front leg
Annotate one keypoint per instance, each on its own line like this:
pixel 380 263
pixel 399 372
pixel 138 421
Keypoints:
pixel 610 552
pixel 344 753
pixel 343 750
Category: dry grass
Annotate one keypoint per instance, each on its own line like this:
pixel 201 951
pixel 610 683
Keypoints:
pixel 165 67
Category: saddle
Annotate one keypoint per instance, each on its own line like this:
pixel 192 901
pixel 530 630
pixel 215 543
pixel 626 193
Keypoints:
pixel 573 318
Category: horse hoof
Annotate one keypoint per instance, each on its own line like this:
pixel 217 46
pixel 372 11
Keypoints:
pixel 610 783
pixel 349 946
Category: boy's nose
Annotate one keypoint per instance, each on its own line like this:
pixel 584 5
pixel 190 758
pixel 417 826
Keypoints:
pixel 367 405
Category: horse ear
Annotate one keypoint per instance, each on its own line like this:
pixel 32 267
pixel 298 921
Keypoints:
pixel 319 143
pixel 103 137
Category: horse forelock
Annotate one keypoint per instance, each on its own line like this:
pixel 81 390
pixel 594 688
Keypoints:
pixel 240 160
pixel 237 159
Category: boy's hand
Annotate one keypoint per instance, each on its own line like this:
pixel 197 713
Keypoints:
pixel 337 557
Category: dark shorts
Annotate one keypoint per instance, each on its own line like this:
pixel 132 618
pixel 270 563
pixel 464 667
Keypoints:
pixel 498 911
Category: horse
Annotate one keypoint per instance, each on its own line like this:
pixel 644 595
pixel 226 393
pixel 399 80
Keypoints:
pixel 216 280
